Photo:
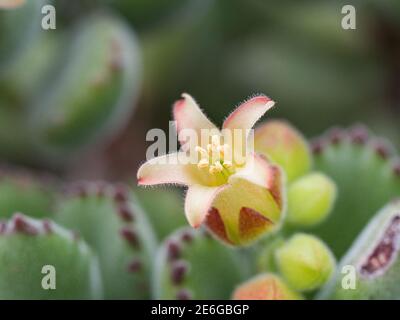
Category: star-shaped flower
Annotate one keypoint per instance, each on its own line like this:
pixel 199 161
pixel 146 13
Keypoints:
pixel 235 192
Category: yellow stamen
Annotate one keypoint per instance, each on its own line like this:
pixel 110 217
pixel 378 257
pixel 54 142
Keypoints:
pixel 212 157
pixel 218 166
pixel 212 169
pixel 203 163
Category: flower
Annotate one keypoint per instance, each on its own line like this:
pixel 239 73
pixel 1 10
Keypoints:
pixel 235 192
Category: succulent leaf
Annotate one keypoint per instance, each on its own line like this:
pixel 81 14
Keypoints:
pixel 94 92
pixel 365 171
pixel 374 258
pixel 190 265
pixel 21 191
pixel 112 223
pixel 18 26
pixel 166 214
pixel 28 245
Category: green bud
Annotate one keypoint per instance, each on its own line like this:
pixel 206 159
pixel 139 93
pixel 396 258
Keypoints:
pixel 310 199
pixel 266 286
pixel 305 262
pixel 371 268
pixel 284 145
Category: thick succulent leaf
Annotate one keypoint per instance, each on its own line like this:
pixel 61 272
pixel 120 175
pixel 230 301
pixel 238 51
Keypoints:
pixel 115 227
pixel 370 270
pixel 18 27
pixel 94 92
pixel 28 247
pixel 21 191
pixel 192 265
pixel 166 214
pixel 367 177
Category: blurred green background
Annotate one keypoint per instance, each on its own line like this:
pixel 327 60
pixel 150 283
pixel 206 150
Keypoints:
pixel 219 51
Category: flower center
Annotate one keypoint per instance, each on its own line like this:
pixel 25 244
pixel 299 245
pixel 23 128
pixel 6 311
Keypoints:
pixel 213 158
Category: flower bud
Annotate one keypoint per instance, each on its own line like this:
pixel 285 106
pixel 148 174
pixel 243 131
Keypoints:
pixel 266 286
pixel 285 146
pixel 305 262
pixel 310 199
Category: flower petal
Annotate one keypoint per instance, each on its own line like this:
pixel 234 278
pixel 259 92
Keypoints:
pixel 173 168
pixel 259 171
pixel 248 113
pixel 198 202
pixel 188 115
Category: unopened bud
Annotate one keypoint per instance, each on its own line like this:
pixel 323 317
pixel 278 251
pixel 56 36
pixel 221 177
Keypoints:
pixel 265 287
pixel 310 199
pixel 285 146
pixel 305 262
